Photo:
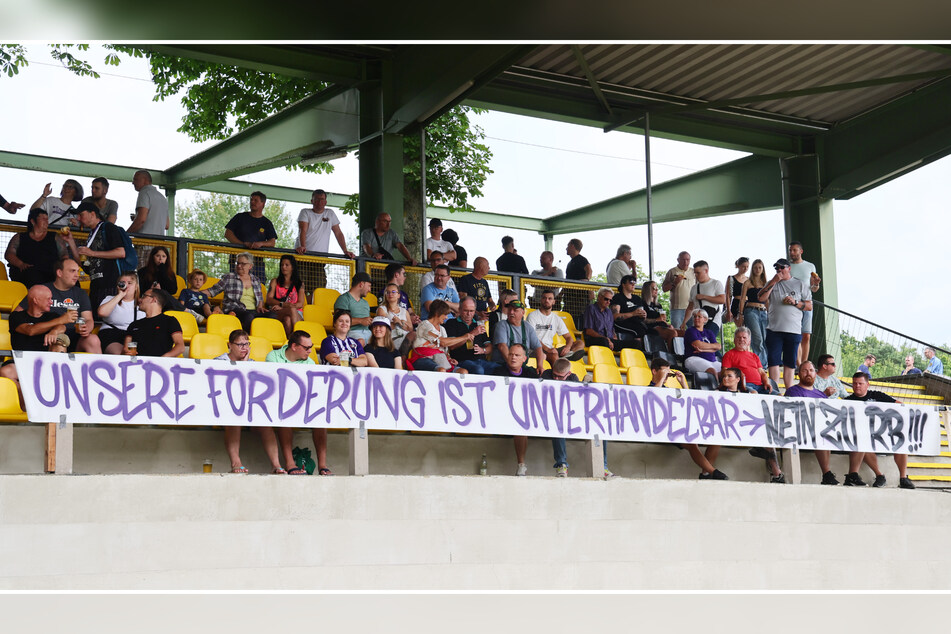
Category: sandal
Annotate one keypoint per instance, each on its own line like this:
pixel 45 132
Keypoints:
pixel 279 471
pixel 239 470
pixel 325 471
pixel 297 471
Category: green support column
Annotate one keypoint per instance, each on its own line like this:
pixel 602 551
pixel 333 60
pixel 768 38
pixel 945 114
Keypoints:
pixel 808 218
pixel 170 194
pixel 381 163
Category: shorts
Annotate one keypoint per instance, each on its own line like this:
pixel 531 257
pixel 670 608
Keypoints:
pixel 807 322
pixel 782 348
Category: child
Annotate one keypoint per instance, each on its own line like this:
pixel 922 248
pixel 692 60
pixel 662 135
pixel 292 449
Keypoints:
pixel 60 344
pixel 194 300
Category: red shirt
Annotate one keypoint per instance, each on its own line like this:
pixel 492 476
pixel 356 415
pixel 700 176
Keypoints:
pixel 746 361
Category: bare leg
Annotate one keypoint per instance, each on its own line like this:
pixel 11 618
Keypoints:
pixel 701 460
pixel 855 461
pixel 286 436
pixel 521 447
pixel 320 444
pixel 114 348
pixel 774 373
pixel 822 456
pixel 804 348
pixel 90 344
pixel 711 454
pixel 789 376
pixel 901 461
pixel 871 460
pixel 269 440
pixel 233 445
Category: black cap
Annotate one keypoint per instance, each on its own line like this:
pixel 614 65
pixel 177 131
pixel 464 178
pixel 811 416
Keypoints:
pixel 781 262
pixel 359 277
pixel 435 222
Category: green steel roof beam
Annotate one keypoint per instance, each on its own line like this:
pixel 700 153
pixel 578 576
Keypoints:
pixel 885 143
pixel 70 167
pixel 747 184
pixel 487 218
pixel 289 60
pixel 592 80
pixel 318 125
pixel 431 79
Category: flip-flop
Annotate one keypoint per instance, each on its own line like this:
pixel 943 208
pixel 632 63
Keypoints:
pixel 279 471
pixel 239 470
pixel 325 471
pixel 297 471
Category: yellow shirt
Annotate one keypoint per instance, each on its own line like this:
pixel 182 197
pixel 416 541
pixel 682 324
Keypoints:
pixel 247 298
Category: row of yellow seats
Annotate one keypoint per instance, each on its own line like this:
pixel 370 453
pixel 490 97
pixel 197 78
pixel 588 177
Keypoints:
pixel 636 375
pixel 211 344
pixel 630 358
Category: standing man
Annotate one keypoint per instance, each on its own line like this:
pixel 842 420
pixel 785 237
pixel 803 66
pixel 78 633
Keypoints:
pixel 860 392
pixel 867 366
pixel 621 265
pixel 788 299
pixel 68 296
pixel 108 209
pixel 935 366
pixel 806 388
pixel 151 207
pixel 315 224
pixel 577 300
pixel 510 261
pixel 707 294
pixel 297 350
pixel 354 302
pixel 474 285
pixel 547 262
pixel 678 282
pixel 806 273
pixel 547 324
pixel 253 230
pixel 380 241
pixel 103 247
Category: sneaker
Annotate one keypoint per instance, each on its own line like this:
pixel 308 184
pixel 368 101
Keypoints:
pixel 561 471
pixel 879 481
pixel 854 480
pixel 829 478
pixel 905 483
pixel 608 474
pixel 715 475
pixel 577 355
pixel 522 469
pixel 761 452
pixel 780 479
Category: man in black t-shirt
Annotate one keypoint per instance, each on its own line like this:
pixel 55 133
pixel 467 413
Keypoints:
pixel 67 295
pixel 34 328
pixel 474 285
pixel 103 247
pixel 510 261
pixel 860 392
pixel 474 359
pixel 579 269
pixel 157 334
pixel 253 230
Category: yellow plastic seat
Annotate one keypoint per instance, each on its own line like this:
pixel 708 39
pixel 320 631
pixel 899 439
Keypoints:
pixel 187 321
pixel 3 272
pixel 222 325
pixel 11 294
pixel 633 358
pixel 372 300
pixel 601 354
pixel 205 345
pixel 322 310
pixel 569 321
pixel 181 285
pixel 260 347
pixel 209 282
pixel 637 375
pixel 558 341
pixel 316 331
pixel 10 410
pixel 607 373
pixel 534 364
pixel 270 329
pixel 4 325
pixel 673 382
pixel 579 370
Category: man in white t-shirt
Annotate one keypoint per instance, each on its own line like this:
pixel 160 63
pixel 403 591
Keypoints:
pixel 315 225
pixel 547 324
pixel 151 207
pixel 706 293
pixel 806 273
pixel 621 265
pixel 435 242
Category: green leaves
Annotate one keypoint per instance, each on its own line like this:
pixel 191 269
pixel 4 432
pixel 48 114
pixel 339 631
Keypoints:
pixel 12 58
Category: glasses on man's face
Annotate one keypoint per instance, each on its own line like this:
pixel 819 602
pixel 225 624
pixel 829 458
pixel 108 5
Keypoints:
pixel 780 268
pixel 829 363
pixel 307 348
pixel 441 275
pixel 561 377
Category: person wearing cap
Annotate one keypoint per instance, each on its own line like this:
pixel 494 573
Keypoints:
pixel 380 344
pixel 788 298
pixel 103 247
pixel 69 296
pixel 108 209
pixel 515 330
pixel 510 261
pixel 439 289
pixel 151 207
pixel 32 254
pixel 354 302
pixel 474 285
pixel 61 344
pixel 315 226
pixel 435 242
pixel 10 206
pixel 806 273
pixel 60 209
pixel 380 240
pixel 622 265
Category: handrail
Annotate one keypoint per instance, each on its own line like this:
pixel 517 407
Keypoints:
pixel 872 323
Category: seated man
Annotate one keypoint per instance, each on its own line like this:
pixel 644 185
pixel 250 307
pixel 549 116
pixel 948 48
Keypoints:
pixel 757 380
pixel 475 285
pixel 69 296
pixel 354 302
pixel 598 323
pixel 472 356
pixel 514 366
pixel 35 328
pixel 380 241
pixel 514 330
pixel 806 388
pixel 435 259
pixel 439 289
pixel 547 324
pixel 156 334
pixel 826 380
pixel 506 295
pixel 860 392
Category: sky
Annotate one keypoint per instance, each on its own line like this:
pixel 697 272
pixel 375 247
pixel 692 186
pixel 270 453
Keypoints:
pixel 889 240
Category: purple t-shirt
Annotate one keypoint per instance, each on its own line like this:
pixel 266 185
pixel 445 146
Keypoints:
pixel 705 336
pixel 798 390
pixel 600 321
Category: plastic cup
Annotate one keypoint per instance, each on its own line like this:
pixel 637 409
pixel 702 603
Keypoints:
pixel 206 466
pixel 345 359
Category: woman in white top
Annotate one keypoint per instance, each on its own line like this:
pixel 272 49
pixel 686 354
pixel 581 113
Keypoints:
pixel 118 311
pixel 402 327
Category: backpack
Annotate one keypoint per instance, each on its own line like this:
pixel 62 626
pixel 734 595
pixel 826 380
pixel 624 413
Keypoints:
pixel 131 260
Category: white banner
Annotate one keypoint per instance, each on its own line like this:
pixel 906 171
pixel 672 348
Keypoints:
pixel 163 391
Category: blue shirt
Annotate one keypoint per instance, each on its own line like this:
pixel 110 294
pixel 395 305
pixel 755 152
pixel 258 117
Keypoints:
pixel 935 366
pixel 431 292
